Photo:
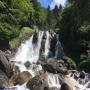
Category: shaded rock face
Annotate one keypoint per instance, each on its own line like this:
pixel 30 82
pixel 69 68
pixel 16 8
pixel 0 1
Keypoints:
pixel 52 46
pixel 20 78
pixel 3 80
pixel 16 69
pixel 82 75
pixel 55 48
pixel 55 66
pixel 38 83
pixel 4 44
pixel 5 65
pixel 65 86
pixel 35 38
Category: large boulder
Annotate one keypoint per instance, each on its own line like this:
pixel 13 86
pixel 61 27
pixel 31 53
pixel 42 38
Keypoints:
pixel 5 65
pixel 20 78
pixel 3 80
pixel 38 83
pixel 55 66
pixel 82 75
pixel 27 64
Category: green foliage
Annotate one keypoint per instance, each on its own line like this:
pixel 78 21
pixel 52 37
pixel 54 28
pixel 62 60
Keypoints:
pixel 75 28
pixel 85 65
pixel 21 9
pixel 85 28
pixel 39 15
pixel 25 31
pixel 23 5
pixel 2 5
pixel 7 31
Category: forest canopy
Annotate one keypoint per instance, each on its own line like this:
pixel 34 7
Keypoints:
pixel 71 21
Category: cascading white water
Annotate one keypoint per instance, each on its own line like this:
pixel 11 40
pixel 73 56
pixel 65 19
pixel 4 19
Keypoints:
pixel 76 85
pixel 29 52
pixel 53 81
pixel 47 44
pixel 58 48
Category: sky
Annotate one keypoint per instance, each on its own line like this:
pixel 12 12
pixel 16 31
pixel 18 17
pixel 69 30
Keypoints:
pixel 52 3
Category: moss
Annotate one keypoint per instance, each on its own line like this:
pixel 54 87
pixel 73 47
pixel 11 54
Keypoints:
pixel 25 32
pixel 70 62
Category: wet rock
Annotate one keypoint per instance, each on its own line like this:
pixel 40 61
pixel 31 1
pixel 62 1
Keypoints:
pixel 61 68
pixel 69 83
pixel 76 77
pixel 5 65
pixel 20 78
pixel 65 86
pixel 61 61
pixel 8 54
pixel 55 66
pixel 27 64
pixel 82 75
pixel 3 80
pixel 39 72
pixel 38 83
pixel 49 68
pixel 16 69
pixel 50 65
pixel 35 38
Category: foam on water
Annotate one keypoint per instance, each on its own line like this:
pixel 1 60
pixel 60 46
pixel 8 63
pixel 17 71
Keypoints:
pixel 28 51
pixel 53 81
pixel 32 69
pixel 17 87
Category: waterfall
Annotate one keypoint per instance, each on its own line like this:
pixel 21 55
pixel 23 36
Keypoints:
pixel 47 45
pixel 53 81
pixel 58 48
pixel 29 51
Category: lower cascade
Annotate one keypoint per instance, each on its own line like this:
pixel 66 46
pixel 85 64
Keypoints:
pixel 41 66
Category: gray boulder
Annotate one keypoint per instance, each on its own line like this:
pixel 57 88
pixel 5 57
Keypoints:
pixel 38 83
pixel 5 65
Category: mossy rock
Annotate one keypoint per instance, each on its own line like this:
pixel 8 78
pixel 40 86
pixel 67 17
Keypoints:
pixel 69 62
pixel 24 34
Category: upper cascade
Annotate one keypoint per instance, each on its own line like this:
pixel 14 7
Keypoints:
pixel 31 49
